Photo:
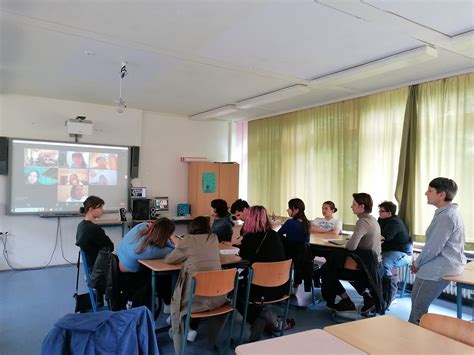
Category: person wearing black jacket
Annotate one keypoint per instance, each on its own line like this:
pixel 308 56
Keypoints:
pixel 260 243
pixel 90 237
pixel 397 246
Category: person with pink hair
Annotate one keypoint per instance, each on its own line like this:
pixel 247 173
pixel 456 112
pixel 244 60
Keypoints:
pixel 260 243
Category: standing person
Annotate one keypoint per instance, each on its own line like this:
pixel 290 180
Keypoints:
pixel 328 224
pixel 90 237
pixel 443 253
pixel 222 225
pixel 366 238
pixel 197 251
pixel 145 241
pixel 260 243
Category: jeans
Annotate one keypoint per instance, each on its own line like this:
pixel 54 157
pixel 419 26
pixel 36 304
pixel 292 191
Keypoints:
pixel 392 259
pixel 424 292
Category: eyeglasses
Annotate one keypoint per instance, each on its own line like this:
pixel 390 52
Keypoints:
pixel 382 211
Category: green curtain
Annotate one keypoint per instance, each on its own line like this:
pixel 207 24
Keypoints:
pixel 389 144
pixel 405 188
pixel 445 146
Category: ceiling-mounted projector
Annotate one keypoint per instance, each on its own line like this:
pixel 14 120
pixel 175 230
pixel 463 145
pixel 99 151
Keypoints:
pixel 79 125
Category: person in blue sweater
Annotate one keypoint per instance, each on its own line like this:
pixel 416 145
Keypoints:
pixel 222 224
pixel 145 241
pixel 296 229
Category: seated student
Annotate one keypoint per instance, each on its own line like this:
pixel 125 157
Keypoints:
pixel 90 237
pixel 145 241
pixel 296 229
pixel 198 251
pixel 240 209
pixel 328 224
pixel 222 225
pixel 366 238
pixel 295 236
pixel 260 243
pixel 396 243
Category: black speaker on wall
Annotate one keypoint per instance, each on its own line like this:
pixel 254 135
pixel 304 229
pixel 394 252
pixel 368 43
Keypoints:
pixel 134 161
pixel 3 156
pixel 123 215
pixel 141 209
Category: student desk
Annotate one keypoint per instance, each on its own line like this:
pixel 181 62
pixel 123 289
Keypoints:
pixel 314 341
pixel 387 334
pixel 464 280
pixel 159 266
pixel 111 223
pixel 469 266
pixel 320 240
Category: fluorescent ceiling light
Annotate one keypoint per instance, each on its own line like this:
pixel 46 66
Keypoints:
pixel 278 95
pixel 464 41
pixel 381 66
pixel 217 112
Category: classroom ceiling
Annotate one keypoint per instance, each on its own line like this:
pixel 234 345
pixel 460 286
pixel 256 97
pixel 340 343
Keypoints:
pixel 186 57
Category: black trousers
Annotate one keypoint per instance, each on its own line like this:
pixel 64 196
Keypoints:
pixel 137 287
pixel 332 287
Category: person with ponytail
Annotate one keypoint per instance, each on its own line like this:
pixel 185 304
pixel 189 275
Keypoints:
pixel 90 237
pixel 328 224
pixel 296 229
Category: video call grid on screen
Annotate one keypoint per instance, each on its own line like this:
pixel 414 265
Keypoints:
pixel 56 177
pixel 161 204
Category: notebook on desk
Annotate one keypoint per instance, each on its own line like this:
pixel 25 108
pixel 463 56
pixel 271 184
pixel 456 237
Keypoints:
pixel 338 241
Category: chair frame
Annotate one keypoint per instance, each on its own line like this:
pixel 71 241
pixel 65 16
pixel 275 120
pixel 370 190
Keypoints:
pixel 88 278
pixel 212 289
pixel 263 281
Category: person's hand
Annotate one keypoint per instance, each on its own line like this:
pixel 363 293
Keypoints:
pixel 382 239
pixel 413 268
pixel 174 239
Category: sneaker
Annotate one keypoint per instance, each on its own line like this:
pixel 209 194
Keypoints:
pixel 344 305
pixel 369 304
pixel 168 320
pixel 191 335
pixel 166 308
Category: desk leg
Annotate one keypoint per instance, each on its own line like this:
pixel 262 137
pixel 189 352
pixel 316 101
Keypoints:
pixel 459 300
pixel 123 230
pixel 153 288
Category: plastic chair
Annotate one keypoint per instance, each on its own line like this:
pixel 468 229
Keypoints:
pixel 88 278
pixel 457 329
pixel 271 274
pixel 208 284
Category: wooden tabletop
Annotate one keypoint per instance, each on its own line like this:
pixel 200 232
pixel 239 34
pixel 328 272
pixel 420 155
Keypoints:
pixel 109 221
pixel 321 239
pixel 469 266
pixel 387 334
pixel 467 277
pixel 159 265
pixel 314 341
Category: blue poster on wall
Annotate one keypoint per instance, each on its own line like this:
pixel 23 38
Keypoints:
pixel 208 182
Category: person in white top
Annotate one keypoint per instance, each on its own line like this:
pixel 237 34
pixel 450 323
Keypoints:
pixel 328 224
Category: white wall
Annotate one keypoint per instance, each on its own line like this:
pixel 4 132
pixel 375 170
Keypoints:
pixel 163 139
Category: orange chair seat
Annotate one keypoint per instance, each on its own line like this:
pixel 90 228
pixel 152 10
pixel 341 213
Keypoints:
pixel 215 312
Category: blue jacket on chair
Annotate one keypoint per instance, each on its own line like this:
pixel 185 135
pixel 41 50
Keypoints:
pixel 124 332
